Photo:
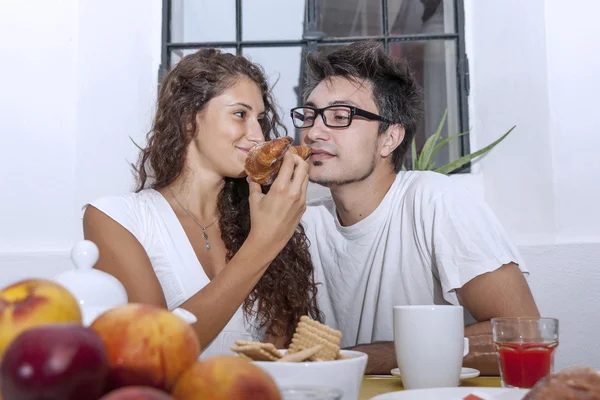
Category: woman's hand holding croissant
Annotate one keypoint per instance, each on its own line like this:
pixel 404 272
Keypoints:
pixel 274 216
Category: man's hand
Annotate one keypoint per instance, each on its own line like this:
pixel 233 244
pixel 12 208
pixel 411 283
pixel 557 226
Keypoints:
pixel 382 357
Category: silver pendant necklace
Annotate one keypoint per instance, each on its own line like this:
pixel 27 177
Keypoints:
pixel 204 235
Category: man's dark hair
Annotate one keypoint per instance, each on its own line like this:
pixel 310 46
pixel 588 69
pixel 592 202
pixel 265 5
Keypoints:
pixel 395 91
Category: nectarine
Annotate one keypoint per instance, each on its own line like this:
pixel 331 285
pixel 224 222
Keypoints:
pixel 34 302
pixel 137 393
pixel 225 378
pixel 146 345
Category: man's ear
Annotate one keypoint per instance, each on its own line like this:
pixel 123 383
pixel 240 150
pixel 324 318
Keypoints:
pixel 393 137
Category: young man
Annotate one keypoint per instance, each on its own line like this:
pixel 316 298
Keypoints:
pixel 388 237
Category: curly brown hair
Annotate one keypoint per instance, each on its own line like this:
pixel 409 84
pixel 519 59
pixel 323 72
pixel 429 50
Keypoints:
pixel 287 289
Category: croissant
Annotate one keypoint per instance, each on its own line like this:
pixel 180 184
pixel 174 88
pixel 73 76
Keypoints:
pixel 264 160
pixel 302 151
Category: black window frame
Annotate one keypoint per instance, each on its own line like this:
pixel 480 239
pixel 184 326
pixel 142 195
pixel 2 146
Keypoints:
pixel 312 38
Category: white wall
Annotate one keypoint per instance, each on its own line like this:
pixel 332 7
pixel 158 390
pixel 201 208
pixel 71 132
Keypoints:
pixel 534 64
pixel 572 33
pixel 38 131
pixel 83 79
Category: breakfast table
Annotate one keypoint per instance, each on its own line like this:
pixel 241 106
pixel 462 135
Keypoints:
pixel 374 385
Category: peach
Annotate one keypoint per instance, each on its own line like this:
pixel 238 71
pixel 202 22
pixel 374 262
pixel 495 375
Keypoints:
pixel 137 393
pixel 34 302
pixel 146 345
pixel 225 378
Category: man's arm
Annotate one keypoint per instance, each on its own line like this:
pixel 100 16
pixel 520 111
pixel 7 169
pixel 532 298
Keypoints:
pixel 482 355
pixel 500 293
pixel 382 357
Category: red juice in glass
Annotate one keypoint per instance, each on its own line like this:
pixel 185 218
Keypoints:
pixel 522 365
pixel 525 349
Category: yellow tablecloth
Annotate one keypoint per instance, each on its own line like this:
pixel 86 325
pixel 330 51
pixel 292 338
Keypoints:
pixel 374 385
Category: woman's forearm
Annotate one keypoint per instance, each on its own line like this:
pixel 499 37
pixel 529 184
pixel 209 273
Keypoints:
pixel 217 302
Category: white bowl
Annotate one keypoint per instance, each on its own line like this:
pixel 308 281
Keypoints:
pixel 345 375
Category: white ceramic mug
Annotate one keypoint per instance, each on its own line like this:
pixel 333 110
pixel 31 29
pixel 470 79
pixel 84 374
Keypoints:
pixel 430 345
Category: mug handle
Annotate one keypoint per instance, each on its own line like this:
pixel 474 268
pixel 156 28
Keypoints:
pixel 465 347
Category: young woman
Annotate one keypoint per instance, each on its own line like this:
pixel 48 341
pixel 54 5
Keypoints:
pixel 195 233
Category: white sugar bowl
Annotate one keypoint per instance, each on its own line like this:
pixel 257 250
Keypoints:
pixel 95 290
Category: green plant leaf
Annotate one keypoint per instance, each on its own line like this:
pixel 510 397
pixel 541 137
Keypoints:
pixel 465 159
pixel 449 138
pixel 413 148
pixel 428 148
pixel 431 166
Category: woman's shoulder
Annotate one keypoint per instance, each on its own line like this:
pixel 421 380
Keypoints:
pixel 128 203
pixel 132 210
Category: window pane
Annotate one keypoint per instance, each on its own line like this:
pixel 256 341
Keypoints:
pixel 178 54
pixel 272 19
pixel 343 18
pixel 434 65
pixel 282 66
pixel 409 17
pixel 202 21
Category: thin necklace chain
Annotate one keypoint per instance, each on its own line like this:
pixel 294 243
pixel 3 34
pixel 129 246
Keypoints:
pixel 204 234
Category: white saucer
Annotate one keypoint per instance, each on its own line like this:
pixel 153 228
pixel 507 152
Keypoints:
pixel 465 373
pixel 454 393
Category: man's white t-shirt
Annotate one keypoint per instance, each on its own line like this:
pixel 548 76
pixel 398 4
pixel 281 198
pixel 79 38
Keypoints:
pixel 426 239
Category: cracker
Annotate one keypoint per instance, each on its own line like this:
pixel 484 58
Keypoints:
pixel 257 351
pixel 310 333
pixel 302 355
pixel 268 347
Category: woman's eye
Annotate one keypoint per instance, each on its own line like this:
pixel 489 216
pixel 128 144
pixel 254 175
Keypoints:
pixel 240 114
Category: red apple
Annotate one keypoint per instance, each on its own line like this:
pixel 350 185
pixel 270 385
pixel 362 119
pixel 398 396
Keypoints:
pixel 64 361
pixel 137 393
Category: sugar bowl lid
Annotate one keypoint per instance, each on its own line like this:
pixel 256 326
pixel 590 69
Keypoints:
pixel 94 289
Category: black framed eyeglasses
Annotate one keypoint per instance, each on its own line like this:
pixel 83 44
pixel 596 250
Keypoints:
pixel 336 116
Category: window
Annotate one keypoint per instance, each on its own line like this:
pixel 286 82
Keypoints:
pixel 278 34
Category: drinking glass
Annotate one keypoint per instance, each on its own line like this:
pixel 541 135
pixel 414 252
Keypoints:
pixel 525 349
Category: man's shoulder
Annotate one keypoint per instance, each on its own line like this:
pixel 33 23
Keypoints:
pixel 422 186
